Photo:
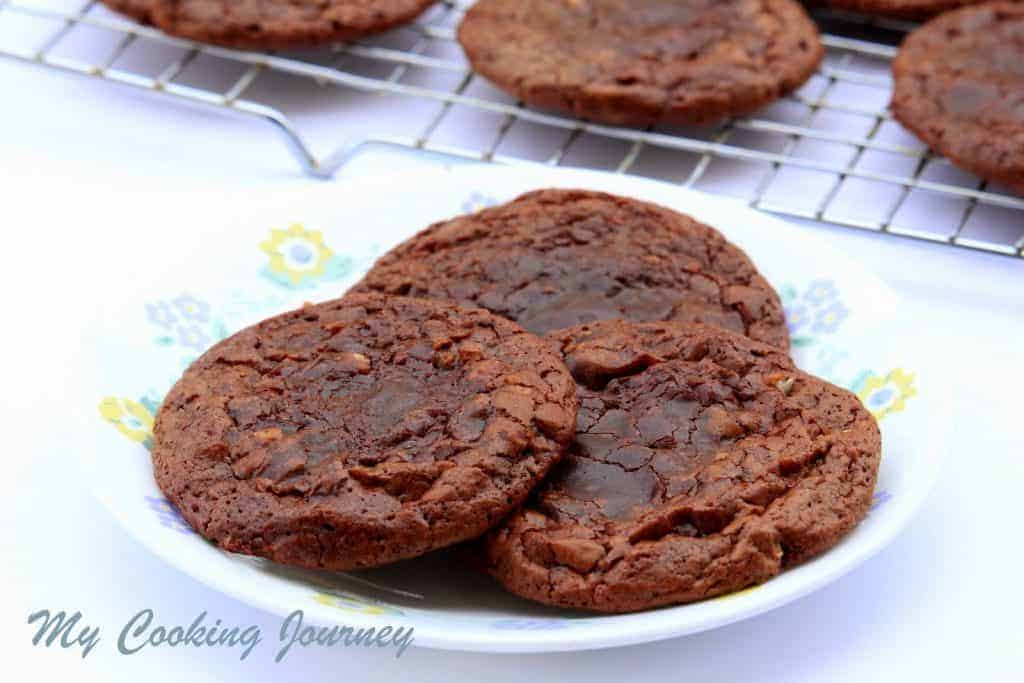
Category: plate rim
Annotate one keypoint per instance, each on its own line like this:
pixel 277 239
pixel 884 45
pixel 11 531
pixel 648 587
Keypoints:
pixel 658 627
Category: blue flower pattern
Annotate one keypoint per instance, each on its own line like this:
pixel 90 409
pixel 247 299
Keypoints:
pixel 168 515
pixel 818 310
pixel 161 314
pixel 477 201
pixel 185 323
pixel 880 498
pixel 191 308
pixel 529 624
pixel 192 337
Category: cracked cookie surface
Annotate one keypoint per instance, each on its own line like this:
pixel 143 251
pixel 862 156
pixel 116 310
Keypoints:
pixel 556 258
pixel 703 463
pixel 269 24
pixel 362 431
pixel 643 62
pixel 959 86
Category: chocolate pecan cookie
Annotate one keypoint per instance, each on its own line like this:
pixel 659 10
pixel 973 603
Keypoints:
pixel 900 9
pixel 269 24
pixel 361 431
pixel 960 88
pixel 703 463
pixel 557 258
pixel 642 62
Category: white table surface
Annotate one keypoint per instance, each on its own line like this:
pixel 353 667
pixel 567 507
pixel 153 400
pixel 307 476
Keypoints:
pixel 93 177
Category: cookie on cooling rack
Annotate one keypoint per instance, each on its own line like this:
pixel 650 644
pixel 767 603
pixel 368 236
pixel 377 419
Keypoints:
pixel 271 24
pixel 703 463
pixel 959 86
pixel 898 9
pixel 362 431
pixel 140 10
pixel 642 62
pixel 557 258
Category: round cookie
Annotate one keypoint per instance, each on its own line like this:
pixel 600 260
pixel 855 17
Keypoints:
pixel 140 10
pixel 271 24
pixel 362 431
pixel 959 86
pixel 703 463
pixel 898 9
pixel 557 258
pixel 643 62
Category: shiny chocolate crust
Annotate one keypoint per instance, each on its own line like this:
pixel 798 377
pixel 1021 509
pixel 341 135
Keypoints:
pixel 643 62
pixel 556 258
pixel 271 24
pixel 362 431
pixel 703 463
pixel 959 86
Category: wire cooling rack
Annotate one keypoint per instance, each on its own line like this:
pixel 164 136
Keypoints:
pixel 831 152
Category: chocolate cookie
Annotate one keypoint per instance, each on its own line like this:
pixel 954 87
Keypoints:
pixel 140 10
pixel 960 88
pixel 271 24
pixel 703 463
pixel 642 62
pixel 557 258
pixel 899 9
pixel 361 431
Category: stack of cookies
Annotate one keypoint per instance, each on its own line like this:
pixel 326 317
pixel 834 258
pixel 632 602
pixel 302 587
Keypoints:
pixel 595 391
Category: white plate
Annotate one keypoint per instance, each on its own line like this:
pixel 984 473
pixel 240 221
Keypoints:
pixel 313 243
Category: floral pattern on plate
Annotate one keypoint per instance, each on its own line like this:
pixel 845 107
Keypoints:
pixel 168 515
pixel 347 602
pixel 300 259
pixel 886 394
pixel 816 311
pixel 131 418
pixel 478 201
pixel 185 325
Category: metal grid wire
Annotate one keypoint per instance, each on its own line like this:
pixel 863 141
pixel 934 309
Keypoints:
pixel 830 152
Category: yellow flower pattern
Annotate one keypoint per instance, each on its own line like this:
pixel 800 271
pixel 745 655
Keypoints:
pixel 887 394
pixel 128 417
pixel 739 593
pixel 354 605
pixel 297 254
